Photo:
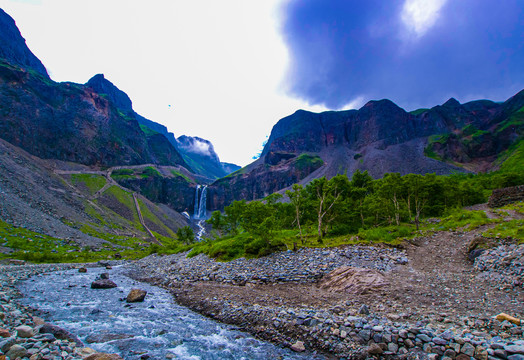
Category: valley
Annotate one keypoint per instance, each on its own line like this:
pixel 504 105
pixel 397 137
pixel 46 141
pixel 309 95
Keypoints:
pixel 372 233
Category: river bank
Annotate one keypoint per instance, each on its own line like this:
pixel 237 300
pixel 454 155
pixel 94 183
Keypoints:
pixel 25 336
pixel 431 301
pixel 434 303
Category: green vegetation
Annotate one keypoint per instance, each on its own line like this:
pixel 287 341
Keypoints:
pixel 306 161
pixel 179 174
pixel 361 210
pixel 92 182
pixel 147 130
pixel 418 111
pixel 512 160
pixel 125 174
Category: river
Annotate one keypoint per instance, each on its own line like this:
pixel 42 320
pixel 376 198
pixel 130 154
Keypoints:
pixel 157 328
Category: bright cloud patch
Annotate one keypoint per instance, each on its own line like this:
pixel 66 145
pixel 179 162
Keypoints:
pixel 420 15
pixel 199 147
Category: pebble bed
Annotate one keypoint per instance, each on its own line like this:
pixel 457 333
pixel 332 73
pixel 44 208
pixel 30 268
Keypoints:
pixel 342 331
pixel 305 265
pixel 504 264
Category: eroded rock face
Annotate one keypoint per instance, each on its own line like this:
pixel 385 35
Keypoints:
pixel 353 280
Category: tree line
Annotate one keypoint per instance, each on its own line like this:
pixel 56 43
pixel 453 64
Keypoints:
pixel 339 206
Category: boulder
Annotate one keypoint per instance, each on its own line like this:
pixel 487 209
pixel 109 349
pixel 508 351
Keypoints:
pixel 4 333
pixel 353 280
pixel 136 295
pixel 60 333
pixel 82 270
pixel 103 284
pixel 16 351
pixel 104 276
pixel 374 349
pixel 298 346
pixel 104 337
pixel 24 331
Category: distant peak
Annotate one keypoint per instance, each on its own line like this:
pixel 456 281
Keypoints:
pixel 452 103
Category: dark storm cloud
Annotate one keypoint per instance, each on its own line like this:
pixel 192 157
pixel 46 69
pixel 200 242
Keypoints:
pixel 343 49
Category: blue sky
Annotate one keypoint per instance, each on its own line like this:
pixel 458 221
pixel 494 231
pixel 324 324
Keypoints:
pixel 228 70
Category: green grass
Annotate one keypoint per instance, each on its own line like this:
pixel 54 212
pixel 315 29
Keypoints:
pixel 507 229
pixel 92 182
pixel 306 161
pixel 461 219
pixel 418 111
pixel 148 131
pixel 512 160
pixel 179 174
pixel 516 120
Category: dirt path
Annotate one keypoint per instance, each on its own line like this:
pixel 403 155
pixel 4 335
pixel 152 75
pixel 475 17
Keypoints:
pixel 440 280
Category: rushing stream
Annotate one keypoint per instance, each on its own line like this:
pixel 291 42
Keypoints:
pixel 156 327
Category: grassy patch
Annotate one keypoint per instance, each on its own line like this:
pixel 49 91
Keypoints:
pixel 464 219
pixel 179 174
pixel 512 160
pixel 92 182
pixel 507 229
pixel 418 111
pixel 306 161
pixel 147 131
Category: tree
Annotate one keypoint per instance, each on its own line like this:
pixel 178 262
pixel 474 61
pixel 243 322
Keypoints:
pixel 325 194
pixel 234 213
pixel 390 189
pixel 186 235
pixel 360 187
pixel 218 221
pixel 297 197
pixel 417 194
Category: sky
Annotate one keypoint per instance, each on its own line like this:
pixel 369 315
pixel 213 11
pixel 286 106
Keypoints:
pixel 228 70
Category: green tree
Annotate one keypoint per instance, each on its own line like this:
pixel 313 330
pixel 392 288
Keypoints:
pixel 390 190
pixel 234 213
pixel 217 221
pixel 361 185
pixel 297 197
pixel 186 235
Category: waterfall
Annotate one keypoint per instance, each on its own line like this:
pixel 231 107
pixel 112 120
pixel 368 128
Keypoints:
pixel 200 202
pixel 202 205
pixel 195 212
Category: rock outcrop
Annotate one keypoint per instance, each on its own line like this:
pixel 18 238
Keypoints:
pixel 14 49
pixel 505 196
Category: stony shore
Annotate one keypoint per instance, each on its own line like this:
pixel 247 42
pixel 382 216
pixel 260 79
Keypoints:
pixel 24 336
pixel 278 298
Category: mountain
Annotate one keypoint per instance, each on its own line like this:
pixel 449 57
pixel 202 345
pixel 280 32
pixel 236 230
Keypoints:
pixel 201 156
pixel 380 137
pixel 14 49
pixel 198 153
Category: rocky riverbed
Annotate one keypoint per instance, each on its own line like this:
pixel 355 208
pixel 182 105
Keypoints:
pixel 25 336
pixel 434 303
pixel 425 301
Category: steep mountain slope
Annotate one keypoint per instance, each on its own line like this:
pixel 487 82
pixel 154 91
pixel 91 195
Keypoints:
pixel 74 203
pixel 380 137
pixel 198 153
pixel 13 47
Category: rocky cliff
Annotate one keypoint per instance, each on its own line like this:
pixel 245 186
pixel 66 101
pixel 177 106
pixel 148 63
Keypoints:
pixel 14 49
pixel 380 137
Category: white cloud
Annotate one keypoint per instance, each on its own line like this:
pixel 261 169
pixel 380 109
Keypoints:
pixel 420 15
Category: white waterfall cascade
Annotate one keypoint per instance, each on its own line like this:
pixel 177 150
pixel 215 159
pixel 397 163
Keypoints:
pixel 200 211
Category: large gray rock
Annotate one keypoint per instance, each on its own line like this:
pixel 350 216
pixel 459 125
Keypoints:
pixel 24 331
pixel 136 295
pixel 17 351
pixel 60 333
pixel 103 284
